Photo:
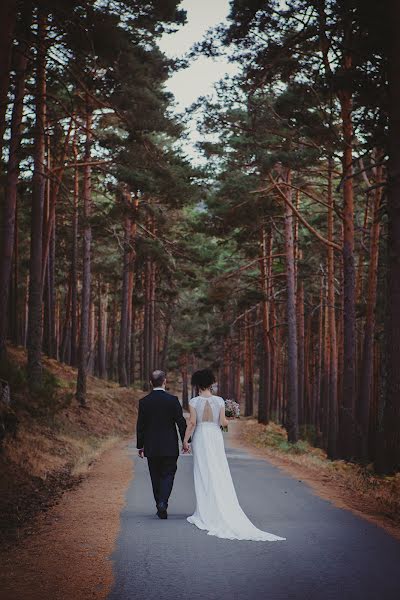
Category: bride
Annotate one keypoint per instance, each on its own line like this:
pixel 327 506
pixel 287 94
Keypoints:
pixel 217 508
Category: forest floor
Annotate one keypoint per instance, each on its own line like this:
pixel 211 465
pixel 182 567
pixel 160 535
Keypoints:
pixel 345 484
pixel 56 544
pixel 56 441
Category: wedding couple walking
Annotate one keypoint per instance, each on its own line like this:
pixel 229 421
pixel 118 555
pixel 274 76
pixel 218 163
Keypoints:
pixel 217 508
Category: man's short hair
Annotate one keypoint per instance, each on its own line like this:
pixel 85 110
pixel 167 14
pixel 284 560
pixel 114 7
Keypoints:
pixel 157 378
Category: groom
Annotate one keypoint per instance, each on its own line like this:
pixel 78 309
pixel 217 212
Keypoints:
pixel 157 439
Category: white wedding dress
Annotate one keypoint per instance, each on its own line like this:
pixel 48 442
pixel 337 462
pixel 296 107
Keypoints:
pixel 217 508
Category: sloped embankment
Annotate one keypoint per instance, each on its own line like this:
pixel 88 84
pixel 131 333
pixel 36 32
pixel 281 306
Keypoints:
pixel 55 441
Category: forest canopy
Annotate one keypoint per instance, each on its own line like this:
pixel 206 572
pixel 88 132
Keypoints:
pixel 276 262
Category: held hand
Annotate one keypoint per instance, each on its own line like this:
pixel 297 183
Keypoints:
pixel 141 452
pixel 186 447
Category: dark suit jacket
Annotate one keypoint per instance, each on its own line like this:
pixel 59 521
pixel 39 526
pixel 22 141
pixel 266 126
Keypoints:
pixel 159 412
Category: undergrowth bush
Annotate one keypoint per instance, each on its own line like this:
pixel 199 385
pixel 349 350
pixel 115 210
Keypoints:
pixel 42 400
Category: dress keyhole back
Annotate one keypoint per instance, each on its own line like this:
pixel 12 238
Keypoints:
pixel 207 413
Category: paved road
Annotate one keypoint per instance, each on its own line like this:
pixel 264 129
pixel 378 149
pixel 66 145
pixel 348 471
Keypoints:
pixel 329 554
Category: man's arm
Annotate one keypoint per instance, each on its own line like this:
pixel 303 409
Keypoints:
pixel 180 419
pixel 140 427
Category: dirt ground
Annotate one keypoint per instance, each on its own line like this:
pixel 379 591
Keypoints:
pixel 56 442
pixel 65 557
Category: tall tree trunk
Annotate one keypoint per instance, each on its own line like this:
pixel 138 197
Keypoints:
pixel 86 270
pixel 7 25
pixel 74 260
pixel 50 336
pixel 326 371
pixel 128 356
pixel 248 375
pixel 133 340
pixel 163 360
pixel 300 354
pixel 146 324
pixel 367 361
pixel 183 363
pixel 333 367
pixel 10 200
pixel 35 324
pixel 346 440
pixel 291 422
pixel 15 295
pixel 391 415
pixel 92 338
pixel 152 328
pixel 122 366
pixel 102 330
pixel 66 329
pixel 53 196
pixel 264 399
pixel 112 369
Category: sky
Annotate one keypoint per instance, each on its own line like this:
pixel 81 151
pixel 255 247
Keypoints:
pixel 198 79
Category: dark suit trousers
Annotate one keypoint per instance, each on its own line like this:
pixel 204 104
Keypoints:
pixel 162 472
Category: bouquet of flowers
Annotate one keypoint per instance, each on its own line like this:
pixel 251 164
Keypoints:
pixel 232 409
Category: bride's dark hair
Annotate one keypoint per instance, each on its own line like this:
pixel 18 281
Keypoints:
pixel 203 379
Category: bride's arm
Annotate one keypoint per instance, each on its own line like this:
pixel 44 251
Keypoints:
pixel 222 418
pixel 190 427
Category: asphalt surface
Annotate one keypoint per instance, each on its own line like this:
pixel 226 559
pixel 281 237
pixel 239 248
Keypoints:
pixel 329 554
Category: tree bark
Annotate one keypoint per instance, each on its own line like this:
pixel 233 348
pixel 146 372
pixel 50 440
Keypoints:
pixel 74 260
pixel 346 439
pixel 264 400
pixel 146 324
pixel 86 274
pixel 35 324
pixel 367 361
pixel 333 367
pixel 10 200
pixel 7 25
pixel 122 348
pixel 53 196
pixel 184 373
pixel 248 374
pixel 291 421
pixel 300 354
pixel 391 415
pixel 102 330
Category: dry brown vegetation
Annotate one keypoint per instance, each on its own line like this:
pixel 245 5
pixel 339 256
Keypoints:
pixel 56 441
pixel 347 485
pixel 67 555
